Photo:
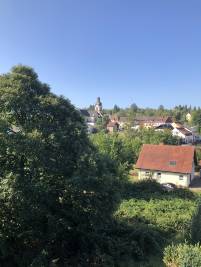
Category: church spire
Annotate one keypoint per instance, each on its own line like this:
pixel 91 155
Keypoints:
pixel 99 106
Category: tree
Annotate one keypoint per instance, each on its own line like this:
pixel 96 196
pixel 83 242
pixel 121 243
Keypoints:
pixel 134 107
pixel 102 122
pixel 196 119
pixel 161 108
pixel 116 109
pixel 54 187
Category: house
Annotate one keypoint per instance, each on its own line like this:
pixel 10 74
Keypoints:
pixel 185 134
pixel 89 116
pixel 167 164
pixel 122 121
pixel 112 127
pixel 152 122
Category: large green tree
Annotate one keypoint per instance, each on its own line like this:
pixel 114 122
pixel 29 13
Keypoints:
pixel 55 192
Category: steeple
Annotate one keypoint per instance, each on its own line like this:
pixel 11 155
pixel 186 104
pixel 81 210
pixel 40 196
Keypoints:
pixel 98 106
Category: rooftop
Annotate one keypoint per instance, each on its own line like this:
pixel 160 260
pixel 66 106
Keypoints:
pixel 178 159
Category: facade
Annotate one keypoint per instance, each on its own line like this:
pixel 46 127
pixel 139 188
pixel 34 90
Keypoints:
pixel 112 127
pixel 91 116
pixel 167 164
pixel 189 117
pixel 122 121
pixel 152 122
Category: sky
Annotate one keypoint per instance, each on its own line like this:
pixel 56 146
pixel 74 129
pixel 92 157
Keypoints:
pixel 146 52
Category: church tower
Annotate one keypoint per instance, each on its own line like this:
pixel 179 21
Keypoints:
pixel 98 106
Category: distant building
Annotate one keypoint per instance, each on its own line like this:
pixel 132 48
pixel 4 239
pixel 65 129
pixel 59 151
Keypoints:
pixel 99 107
pixel 91 116
pixel 167 164
pixel 189 117
pixel 152 122
pixel 122 121
pixel 185 134
pixel 112 127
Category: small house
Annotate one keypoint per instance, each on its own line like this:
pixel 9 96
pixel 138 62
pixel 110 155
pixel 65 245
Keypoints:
pixel 167 164
pixel 112 127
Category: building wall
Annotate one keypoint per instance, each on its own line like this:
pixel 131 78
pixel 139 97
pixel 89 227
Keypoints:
pixel 167 177
pixel 186 139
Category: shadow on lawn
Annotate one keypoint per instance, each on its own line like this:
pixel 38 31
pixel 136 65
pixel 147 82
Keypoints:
pixel 150 189
pixel 149 238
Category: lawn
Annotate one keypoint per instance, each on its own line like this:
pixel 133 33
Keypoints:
pixel 170 214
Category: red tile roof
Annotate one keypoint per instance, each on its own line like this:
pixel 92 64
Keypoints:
pixel 168 158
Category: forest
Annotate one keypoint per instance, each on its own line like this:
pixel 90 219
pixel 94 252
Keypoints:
pixel 68 199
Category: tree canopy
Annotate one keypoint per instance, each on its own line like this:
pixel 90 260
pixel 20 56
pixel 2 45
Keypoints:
pixel 52 182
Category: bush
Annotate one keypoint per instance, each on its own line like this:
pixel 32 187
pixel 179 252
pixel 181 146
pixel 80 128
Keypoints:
pixel 147 203
pixel 195 227
pixel 182 255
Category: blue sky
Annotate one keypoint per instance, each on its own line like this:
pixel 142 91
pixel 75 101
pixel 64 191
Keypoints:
pixel 125 51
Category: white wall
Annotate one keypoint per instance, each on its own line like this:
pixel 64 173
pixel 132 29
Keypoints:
pixel 187 139
pixel 166 177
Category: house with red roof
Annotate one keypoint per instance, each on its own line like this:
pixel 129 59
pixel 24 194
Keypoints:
pixel 167 164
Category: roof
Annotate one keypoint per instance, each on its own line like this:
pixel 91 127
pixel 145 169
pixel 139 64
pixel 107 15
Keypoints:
pixel 145 119
pixel 168 158
pixel 112 124
pixel 164 126
pixel 89 113
pixel 184 131
pixel 85 112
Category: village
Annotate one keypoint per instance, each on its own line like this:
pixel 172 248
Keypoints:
pixel 114 123
pixel 169 165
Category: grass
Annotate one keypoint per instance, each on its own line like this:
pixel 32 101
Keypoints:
pixel 170 213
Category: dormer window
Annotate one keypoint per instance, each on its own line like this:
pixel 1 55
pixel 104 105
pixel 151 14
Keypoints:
pixel 172 163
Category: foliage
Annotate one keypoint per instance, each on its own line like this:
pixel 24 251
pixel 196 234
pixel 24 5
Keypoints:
pixel 168 212
pixel 195 226
pixel 56 192
pixel 102 122
pixel 196 118
pixel 183 255
pixel 116 109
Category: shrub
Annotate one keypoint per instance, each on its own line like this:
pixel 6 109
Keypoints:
pixel 182 255
pixel 195 226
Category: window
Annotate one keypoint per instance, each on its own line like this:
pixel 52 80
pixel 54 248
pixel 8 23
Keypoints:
pixel 172 163
pixel 159 175
pixel 181 177
pixel 147 174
